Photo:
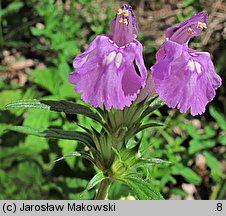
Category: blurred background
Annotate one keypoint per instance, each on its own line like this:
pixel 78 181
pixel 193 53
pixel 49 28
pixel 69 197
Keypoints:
pixel 38 41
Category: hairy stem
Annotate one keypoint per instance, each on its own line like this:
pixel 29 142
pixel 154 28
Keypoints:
pixel 102 192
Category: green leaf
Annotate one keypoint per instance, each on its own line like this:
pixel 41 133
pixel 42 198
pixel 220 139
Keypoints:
pixel 132 143
pixel 125 161
pixel 95 180
pixel 222 139
pixel 65 90
pixel 197 145
pixel 156 161
pixel 152 125
pixel 28 103
pixel 48 79
pixel 73 188
pixel 7 96
pixel 214 165
pixel 155 104
pixel 143 162
pixel 55 134
pixel 71 108
pixel 71 154
pixel 3 127
pixel 13 7
pixel 37 31
pixel 74 154
pixel 179 192
pixel 188 2
pixel 58 106
pixel 187 173
pixel 219 117
pixel 209 131
pixel 142 190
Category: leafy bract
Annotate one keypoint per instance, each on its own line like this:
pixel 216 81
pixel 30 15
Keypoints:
pixel 59 106
pixel 55 134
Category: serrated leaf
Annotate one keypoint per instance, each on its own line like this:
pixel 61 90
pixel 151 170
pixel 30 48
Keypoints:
pixel 142 189
pixel 214 165
pixel 95 180
pixel 55 134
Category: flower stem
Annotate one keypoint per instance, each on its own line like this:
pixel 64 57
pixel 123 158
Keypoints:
pixel 102 192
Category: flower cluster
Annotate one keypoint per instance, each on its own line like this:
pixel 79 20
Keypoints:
pixel 105 73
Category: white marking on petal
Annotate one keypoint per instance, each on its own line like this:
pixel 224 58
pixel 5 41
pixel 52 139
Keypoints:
pixel 198 67
pixel 118 60
pixel 116 45
pixel 191 65
pixel 108 59
pixel 111 41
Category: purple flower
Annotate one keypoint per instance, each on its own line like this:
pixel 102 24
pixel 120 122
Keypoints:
pixel 185 77
pixel 105 72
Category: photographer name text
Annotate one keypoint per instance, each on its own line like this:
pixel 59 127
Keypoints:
pixel 69 207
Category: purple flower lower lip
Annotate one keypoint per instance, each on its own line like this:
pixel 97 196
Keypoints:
pixel 184 77
pixel 105 72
